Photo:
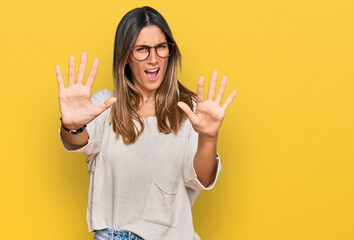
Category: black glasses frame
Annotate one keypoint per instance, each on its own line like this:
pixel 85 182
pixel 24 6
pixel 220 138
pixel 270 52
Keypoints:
pixel 149 48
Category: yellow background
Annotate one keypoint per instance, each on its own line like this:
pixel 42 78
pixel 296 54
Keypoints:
pixel 286 143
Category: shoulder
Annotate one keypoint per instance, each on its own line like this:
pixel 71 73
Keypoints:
pixel 101 95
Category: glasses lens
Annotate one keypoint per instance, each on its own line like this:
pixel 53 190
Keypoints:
pixel 164 49
pixel 141 53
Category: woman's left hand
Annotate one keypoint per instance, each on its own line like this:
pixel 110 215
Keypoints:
pixel 209 114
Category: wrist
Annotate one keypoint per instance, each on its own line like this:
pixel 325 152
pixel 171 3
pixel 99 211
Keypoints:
pixel 207 138
pixel 72 129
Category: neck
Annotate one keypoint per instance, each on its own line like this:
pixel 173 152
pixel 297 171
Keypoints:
pixel 149 100
pixel 148 96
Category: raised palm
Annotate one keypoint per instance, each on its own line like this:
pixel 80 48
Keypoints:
pixel 75 100
pixel 209 114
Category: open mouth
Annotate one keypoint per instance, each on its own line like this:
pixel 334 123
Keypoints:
pixel 152 73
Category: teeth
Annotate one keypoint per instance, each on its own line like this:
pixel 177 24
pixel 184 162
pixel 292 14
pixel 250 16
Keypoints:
pixel 155 70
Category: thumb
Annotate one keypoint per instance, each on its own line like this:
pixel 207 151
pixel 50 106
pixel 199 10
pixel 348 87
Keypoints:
pixel 188 111
pixel 106 104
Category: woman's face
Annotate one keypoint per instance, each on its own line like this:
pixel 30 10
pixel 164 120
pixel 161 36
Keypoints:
pixel 145 79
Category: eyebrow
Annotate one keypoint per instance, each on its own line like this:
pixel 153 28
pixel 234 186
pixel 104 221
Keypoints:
pixel 142 45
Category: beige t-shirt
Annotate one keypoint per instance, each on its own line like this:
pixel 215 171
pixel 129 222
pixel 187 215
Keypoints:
pixel 148 187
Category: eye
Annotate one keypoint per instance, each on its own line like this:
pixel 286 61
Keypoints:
pixel 141 49
pixel 162 46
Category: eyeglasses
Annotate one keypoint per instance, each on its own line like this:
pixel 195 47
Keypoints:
pixel 142 52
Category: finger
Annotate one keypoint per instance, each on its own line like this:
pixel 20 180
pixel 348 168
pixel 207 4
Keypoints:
pixel 101 108
pixel 71 71
pixel 221 90
pixel 188 111
pixel 59 78
pixel 229 100
pixel 212 86
pixel 92 74
pixel 82 68
pixel 200 90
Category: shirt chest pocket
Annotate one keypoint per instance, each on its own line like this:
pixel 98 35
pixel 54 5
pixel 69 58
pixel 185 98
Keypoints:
pixel 160 204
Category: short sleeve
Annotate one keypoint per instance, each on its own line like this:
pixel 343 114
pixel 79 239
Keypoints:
pixel 94 128
pixel 190 176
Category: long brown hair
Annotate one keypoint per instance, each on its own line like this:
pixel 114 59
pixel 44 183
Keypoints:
pixel 169 116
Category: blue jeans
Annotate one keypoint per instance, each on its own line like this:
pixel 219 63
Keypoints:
pixel 112 234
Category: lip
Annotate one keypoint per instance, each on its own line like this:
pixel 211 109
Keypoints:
pixel 153 68
pixel 153 78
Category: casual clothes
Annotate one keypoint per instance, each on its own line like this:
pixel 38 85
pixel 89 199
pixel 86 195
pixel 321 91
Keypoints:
pixel 112 234
pixel 148 187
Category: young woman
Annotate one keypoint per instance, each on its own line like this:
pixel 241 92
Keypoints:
pixel 149 154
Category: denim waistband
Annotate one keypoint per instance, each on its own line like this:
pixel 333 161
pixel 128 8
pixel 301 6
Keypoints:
pixel 114 234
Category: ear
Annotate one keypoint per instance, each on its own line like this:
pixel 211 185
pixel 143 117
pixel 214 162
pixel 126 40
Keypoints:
pixel 127 61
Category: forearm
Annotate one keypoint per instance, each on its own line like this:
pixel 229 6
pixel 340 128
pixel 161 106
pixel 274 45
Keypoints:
pixel 76 141
pixel 205 163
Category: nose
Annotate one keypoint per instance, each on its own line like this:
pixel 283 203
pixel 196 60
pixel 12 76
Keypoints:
pixel 153 58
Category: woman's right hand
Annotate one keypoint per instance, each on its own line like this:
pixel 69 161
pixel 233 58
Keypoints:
pixel 75 103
